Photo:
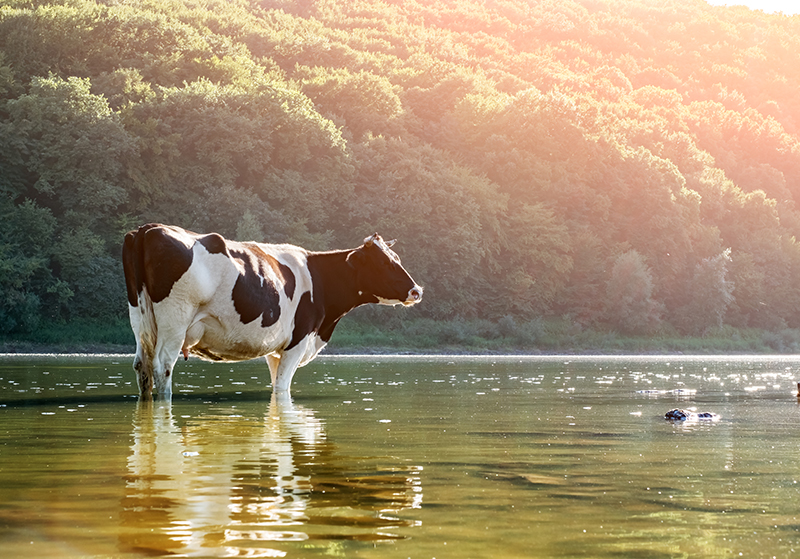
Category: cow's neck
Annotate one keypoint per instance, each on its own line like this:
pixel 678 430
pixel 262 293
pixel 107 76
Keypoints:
pixel 335 288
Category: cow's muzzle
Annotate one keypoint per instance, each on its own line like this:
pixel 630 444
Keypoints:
pixel 414 296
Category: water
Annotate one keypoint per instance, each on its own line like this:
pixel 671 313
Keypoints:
pixel 402 457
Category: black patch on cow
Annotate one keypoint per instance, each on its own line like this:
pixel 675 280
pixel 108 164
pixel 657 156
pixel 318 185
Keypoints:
pixel 283 271
pixel 165 260
pixel 152 257
pixel 214 243
pixel 254 294
pixel 343 280
pixel 288 278
pixel 334 295
pixel 307 319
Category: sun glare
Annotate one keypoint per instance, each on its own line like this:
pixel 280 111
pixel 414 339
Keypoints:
pixel 788 7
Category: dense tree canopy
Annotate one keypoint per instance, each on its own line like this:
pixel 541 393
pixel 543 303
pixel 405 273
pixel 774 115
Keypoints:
pixel 629 163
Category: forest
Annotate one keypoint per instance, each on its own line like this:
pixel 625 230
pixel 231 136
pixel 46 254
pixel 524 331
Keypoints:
pixel 627 167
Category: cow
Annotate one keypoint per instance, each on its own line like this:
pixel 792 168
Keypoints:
pixel 223 300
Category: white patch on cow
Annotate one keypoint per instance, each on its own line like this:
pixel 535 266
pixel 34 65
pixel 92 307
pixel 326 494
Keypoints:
pixel 296 259
pixel 312 345
pixel 390 302
pixel 223 333
pixel 414 296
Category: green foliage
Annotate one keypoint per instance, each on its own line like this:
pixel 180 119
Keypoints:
pixel 77 335
pixel 529 261
pixel 362 101
pixel 412 192
pixel 545 336
pixel 68 144
pixel 552 170
pixel 26 278
pixel 711 292
pixel 629 295
pixel 210 152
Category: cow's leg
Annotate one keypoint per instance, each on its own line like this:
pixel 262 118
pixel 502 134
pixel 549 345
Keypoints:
pixel 287 366
pixel 173 323
pixel 138 359
pixel 168 348
pixel 144 333
pixel 273 360
pixel 136 318
pixel 290 360
pixel 167 352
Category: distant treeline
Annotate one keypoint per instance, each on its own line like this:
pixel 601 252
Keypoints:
pixel 629 165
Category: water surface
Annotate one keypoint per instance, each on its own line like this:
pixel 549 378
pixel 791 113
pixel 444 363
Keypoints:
pixel 402 457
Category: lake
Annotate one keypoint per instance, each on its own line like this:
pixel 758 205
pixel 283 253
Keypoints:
pixel 379 456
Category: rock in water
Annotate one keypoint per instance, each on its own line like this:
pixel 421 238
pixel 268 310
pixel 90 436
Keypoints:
pixel 686 415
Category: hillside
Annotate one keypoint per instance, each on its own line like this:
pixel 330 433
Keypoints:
pixel 632 165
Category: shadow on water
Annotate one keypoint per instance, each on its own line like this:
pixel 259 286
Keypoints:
pixel 249 483
pixel 207 398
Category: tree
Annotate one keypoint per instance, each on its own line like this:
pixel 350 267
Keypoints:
pixel 520 148
pixel 630 305
pixel 441 211
pixel 363 101
pixel 711 293
pixel 29 290
pixel 209 153
pixel 529 263
pixel 64 147
pixel 63 155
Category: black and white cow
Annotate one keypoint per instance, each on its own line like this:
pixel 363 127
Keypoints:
pixel 229 301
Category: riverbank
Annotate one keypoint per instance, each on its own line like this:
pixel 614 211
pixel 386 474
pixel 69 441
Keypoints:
pixel 425 336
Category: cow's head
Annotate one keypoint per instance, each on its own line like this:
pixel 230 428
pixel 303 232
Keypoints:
pixel 379 274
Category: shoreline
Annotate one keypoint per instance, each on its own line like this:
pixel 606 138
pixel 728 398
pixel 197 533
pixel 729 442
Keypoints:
pixel 23 349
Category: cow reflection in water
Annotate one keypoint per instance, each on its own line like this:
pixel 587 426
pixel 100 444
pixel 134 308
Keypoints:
pixel 229 484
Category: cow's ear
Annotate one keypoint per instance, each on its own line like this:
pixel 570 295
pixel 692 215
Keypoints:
pixel 391 243
pixel 371 239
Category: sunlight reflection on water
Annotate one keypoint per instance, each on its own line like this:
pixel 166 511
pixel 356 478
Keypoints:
pixel 403 456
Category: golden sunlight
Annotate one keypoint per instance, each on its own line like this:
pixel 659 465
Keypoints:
pixel 788 7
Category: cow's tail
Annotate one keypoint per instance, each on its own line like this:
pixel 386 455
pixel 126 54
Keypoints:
pixel 148 335
pixel 139 299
